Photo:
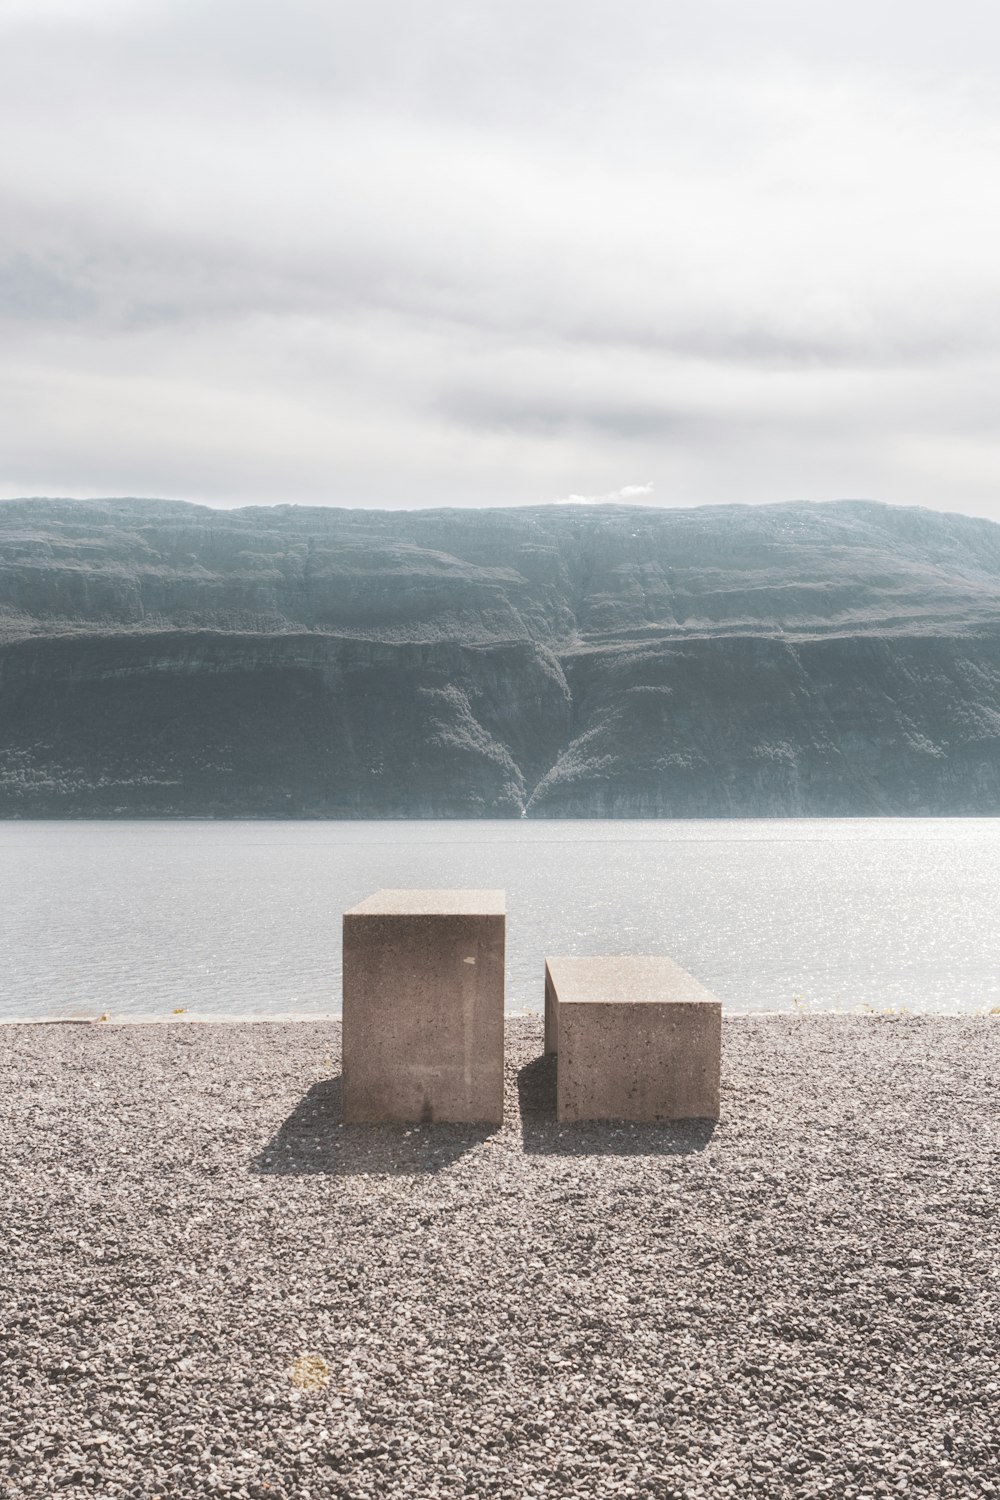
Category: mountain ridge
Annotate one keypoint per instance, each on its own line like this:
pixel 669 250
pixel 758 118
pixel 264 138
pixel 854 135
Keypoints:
pixel 159 658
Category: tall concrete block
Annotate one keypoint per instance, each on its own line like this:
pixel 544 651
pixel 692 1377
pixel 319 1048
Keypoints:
pixel 636 1039
pixel 423 1007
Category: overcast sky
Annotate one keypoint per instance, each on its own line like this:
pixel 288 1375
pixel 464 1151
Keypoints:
pixel 375 252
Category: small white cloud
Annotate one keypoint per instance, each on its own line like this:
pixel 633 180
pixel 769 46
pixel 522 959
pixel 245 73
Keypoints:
pixel 613 497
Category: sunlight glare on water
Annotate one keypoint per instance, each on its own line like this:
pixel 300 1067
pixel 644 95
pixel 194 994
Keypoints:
pixel 243 918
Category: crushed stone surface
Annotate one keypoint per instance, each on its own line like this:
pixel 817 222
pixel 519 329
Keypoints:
pixel 210 1287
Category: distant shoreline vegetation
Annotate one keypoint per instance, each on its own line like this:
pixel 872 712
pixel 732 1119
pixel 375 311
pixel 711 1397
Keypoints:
pixel 159 659
pixel 121 816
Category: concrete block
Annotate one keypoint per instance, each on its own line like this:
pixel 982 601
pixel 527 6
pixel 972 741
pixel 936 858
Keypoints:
pixel 636 1039
pixel 423 1007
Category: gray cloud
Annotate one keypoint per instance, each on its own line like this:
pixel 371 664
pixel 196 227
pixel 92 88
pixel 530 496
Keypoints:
pixel 500 253
pixel 548 411
pixel 31 290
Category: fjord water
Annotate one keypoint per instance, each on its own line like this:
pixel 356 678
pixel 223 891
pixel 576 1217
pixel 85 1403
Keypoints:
pixel 243 918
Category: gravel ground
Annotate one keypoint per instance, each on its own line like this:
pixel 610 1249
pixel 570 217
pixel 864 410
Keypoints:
pixel 211 1287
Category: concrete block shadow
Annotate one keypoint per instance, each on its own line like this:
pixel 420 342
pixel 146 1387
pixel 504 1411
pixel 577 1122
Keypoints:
pixel 313 1141
pixel 543 1135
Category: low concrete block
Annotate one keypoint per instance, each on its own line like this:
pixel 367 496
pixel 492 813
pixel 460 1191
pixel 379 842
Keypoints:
pixel 423 1007
pixel 637 1039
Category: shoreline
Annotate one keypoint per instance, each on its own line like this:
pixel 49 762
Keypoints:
pixel 862 1012
pixel 214 1287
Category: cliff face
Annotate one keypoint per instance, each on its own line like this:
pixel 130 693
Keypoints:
pixel 776 728
pixel 162 659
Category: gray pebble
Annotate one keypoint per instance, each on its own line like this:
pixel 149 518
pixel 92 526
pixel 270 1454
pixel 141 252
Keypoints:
pixel 213 1288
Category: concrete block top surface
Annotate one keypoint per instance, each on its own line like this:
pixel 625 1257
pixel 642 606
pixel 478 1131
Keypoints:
pixel 631 978
pixel 415 903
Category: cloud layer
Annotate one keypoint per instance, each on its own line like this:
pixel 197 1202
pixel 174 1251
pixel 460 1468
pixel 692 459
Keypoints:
pixel 498 253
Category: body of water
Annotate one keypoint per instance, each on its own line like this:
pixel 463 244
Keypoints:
pixel 145 918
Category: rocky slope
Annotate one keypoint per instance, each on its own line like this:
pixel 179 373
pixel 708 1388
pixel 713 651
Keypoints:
pixel 159 659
